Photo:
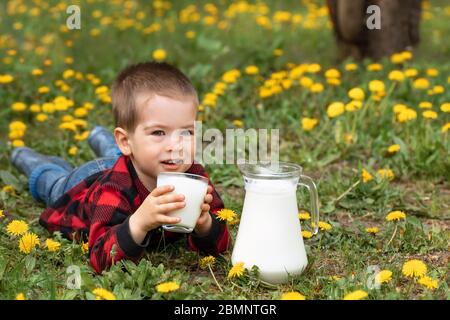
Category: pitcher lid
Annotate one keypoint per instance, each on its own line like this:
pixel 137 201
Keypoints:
pixel 270 170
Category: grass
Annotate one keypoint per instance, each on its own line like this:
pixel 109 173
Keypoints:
pixel 334 153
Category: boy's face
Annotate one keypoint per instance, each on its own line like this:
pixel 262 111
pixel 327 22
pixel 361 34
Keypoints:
pixel 163 139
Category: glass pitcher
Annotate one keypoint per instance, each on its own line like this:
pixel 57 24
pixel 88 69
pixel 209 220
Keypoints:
pixel 269 234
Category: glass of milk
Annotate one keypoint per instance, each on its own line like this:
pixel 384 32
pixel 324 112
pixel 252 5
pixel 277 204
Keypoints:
pixel 194 188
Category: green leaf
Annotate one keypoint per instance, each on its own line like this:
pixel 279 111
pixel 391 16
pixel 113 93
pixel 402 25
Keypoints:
pixel 30 262
pixel 9 179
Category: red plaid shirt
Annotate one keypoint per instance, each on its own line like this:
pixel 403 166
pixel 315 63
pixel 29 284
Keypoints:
pixel 98 208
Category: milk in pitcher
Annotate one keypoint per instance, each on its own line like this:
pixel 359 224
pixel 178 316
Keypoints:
pixel 269 232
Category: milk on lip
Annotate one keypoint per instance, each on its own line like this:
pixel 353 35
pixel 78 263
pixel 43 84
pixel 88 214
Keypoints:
pixel 194 191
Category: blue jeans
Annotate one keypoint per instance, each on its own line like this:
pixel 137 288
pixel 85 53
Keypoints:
pixel 49 181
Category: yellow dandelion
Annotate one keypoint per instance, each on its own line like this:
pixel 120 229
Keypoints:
pixel 356 295
pixel 166 287
pixel 335 109
pixel 28 242
pixel 421 83
pixel 309 123
pixel 73 150
pixel 386 174
pixel 226 215
pixel 1 214
pixel 356 94
pixel 324 226
pixel 307 234
pixel 52 245
pixel 207 261
pixel 445 107
pixel 396 75
pixel 17 228
pixel 103 294
pixel 8 188
pixel 159 54
pixel 376 86
pixel 20 296
pixel 85 247
pixel 428 282
pixel 236 271
pixel 251 70
pixel 393 148
pixel 373 230
pixel 395 216
pixel 414 268
pixel 384 276
pixel 293 295
pixel 445 127
pixel 429 114
pixel 304 215
pixel 366 176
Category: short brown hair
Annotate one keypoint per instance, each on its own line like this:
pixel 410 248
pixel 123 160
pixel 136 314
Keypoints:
pixel 155 77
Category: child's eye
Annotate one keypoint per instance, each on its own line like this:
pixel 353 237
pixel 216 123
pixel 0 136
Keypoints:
pixel 187 132
pixel 158 133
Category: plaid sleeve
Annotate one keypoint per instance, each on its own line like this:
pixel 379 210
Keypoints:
pixel 218 239
pixel 109 237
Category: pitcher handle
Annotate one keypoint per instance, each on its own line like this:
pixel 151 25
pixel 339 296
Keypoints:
pixel 309 183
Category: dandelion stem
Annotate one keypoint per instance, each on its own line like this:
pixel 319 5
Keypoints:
pixel 393 234
pixel 347 191
pixel 215 280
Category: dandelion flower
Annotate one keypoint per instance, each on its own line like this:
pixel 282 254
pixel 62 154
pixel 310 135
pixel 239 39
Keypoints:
pixel 366 176
pixel 356 94
pixel 356 295
pixel 384 276
pixel 52 245
pixel 103 294
pixel 20 296
pixel 396 75
pixel 324 226
pixel 373 230
pixel 28 242
pixel 226 215
pixel 421 83
pixel 166 287
pixel 335 109
pixel 376 86
pixel 393 148
pixel 236 271
pixel 445 127
pixel 303 215
pixel 293 295
pixel 1 214
pixel 251 70
pixel 85 247
pixel 307 234
pixel 309 123
pixel 395 215
pixel 428 282
pixel 159 55
pixel 207 261
pixel 445 107
pixel 386 174
pixel 17 228
pixel 429 114
pixel 414 268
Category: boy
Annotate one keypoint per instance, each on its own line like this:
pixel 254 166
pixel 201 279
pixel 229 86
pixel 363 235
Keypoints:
pixel 113 200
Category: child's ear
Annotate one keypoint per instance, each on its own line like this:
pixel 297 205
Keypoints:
pixel 121 136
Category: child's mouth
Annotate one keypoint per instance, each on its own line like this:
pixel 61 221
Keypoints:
pixel 172 163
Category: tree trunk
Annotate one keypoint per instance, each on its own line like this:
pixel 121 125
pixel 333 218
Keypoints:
pixel 399 27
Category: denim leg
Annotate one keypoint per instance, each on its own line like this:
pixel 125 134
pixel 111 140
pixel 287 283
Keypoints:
pixel 51 184
pixel 103 143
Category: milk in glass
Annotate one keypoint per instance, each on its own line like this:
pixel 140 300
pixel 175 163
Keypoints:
pixel 194 189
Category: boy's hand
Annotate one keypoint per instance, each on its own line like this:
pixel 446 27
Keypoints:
pixel 204 222
pixel 153 212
